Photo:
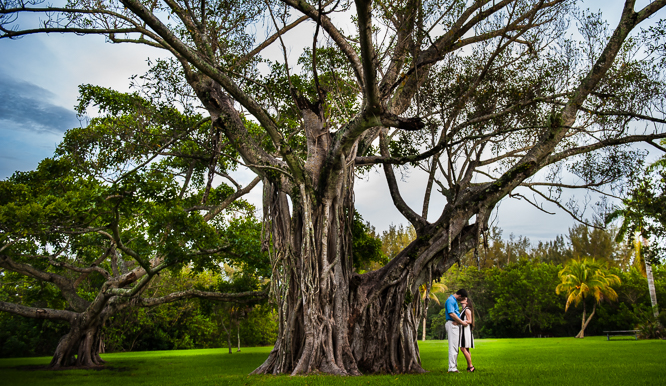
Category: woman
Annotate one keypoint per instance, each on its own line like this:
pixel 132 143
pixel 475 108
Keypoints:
pixel 466 338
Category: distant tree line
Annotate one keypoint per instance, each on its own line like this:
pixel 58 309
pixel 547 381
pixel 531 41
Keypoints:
pixel 512 283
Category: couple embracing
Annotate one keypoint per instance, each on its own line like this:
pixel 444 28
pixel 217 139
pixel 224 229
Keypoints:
pixel 459 329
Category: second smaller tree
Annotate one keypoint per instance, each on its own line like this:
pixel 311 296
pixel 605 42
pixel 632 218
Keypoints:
pixel 584 277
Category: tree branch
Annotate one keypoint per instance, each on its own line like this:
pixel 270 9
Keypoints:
pixel 599 145
pixel 64 285
pixel 241 61
pixel 240 297
pixel 573 215
pixel 624 114
pixel 213 72
pixel 333 32
pixel 241 192
pixel 371 94
pixel 417 221
pixel 38 313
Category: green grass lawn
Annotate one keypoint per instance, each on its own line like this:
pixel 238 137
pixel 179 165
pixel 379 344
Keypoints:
pixel 552 361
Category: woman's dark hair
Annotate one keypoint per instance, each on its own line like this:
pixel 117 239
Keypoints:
pixel 470 305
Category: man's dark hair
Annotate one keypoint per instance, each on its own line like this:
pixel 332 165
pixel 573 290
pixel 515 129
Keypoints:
pixel 462 293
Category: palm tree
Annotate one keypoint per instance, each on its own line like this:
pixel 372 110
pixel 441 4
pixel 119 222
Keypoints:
pixel 642 217
pixel 582 278
pixel 430 294
pixel 646 269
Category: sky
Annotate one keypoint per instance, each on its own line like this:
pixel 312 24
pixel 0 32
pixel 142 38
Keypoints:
pixel 39 79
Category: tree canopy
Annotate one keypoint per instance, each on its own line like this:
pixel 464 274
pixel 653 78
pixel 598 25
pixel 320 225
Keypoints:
pixel 97 223
pixel 586 277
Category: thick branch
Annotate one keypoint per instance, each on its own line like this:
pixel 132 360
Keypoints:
pixel 407 124
pixel 64 285
pixel 82 31
pixel 38 313
pixel 371 94
pixel 417 221
pixel 240 297
pixel 601 144
pixel 209 69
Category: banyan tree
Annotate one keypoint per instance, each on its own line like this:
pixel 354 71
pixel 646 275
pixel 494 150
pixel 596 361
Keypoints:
pixel 489 98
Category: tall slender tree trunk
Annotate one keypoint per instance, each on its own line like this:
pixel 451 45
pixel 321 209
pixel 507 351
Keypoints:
pixel 238 335
pixel 585 322
pixel 228 335
pixel 425 318
pixel 650 279
pixel 651 287
pixel 426 304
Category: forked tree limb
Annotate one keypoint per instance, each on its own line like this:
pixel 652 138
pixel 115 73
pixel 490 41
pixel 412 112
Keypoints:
pixel 204 65
pixel 333 32
pixel 64 285
pixel 539 155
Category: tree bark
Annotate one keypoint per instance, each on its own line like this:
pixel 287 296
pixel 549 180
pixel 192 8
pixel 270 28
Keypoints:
pixel 331 319
pixel 425 318
pixel 228 335
pixel 584 323
pixel 238 335
pixel 312 284
pixel 80 347
pixel 650 279
pixel 651 287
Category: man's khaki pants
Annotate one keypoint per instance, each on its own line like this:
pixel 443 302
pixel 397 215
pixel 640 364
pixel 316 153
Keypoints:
pixel 453 334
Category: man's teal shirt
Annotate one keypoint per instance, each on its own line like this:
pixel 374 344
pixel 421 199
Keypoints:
pixel 452 307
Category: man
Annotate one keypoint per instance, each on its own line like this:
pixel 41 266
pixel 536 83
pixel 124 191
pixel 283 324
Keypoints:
pixel 453 323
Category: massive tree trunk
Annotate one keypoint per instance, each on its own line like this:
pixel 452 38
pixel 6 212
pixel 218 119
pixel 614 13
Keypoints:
pixel 81 346
pixel 311 280
pixel 333 320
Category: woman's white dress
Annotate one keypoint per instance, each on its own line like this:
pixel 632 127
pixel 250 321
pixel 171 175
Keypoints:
pixel 466 337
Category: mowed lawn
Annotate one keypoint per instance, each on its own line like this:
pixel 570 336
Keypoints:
pixel 551 361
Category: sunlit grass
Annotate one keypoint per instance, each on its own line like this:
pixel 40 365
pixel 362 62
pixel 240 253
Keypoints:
pixel 553 361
